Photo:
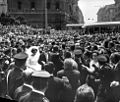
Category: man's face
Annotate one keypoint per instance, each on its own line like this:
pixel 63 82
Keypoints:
pixel 94 55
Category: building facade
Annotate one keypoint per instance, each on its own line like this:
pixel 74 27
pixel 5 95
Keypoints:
pixel 3 6
pixel 106 13
pixel 109 12
pixel 54 13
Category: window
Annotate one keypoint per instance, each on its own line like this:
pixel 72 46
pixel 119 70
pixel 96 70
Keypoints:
pixel 48 5
pixel 19 5
pixel 57 5
pixel 32 6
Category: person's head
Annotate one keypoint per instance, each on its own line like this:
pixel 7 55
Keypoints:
pixel 72 47
pixel 102 59
pixel 94 48
pixel 115 58
pixel 67 55
pixel 34 51
pixel 40 79
pixel 78 53
pixel 55 48
pixel 111 44
pixel 84 93
pixel 94 55
pixel 87 54
pixel 68 64
pixel 20 58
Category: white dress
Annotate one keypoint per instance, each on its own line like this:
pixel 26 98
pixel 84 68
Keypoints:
pixel 32 61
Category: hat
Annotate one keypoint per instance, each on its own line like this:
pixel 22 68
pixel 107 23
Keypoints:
pixel 78 52
pixel 41 74
pixel 102 58
pixel 21 56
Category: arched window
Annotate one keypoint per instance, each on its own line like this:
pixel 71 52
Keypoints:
pixel 32 5
pixel 57 5
pixel 19 5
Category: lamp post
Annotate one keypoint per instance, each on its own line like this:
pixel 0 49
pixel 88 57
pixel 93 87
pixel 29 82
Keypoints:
pixel 46 16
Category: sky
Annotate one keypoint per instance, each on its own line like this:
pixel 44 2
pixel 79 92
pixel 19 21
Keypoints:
pixel 90 8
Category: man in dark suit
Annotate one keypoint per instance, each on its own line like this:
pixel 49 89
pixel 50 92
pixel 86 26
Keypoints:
pixel 106 75
pixel 115 84
pixel 25 88
pixel 55 85
pixel 15 76
pixel 40 83
pixel 55 58
pixel 71 78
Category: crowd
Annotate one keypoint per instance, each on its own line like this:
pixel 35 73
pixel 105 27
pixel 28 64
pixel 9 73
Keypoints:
pixel 62 66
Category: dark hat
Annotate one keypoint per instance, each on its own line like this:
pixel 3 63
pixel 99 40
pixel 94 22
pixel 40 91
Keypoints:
pixel 21 56
pixel 102 58
pixel 41 74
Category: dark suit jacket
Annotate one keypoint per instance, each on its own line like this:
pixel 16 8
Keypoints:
pixel 73 76
pixel 15 79
pixel 22 90
pixel 55 58
pixel 33 97
pixel 54 90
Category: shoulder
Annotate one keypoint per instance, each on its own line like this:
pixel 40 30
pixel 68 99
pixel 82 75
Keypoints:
pixel 24 97
pixel 76 71
pixel 19 89
pixel 57 80
pixel 61 72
